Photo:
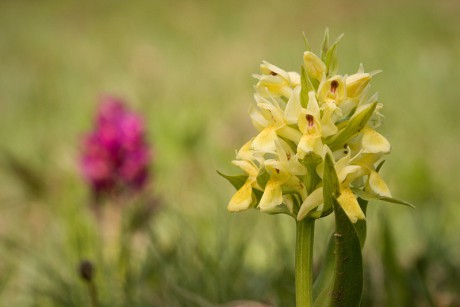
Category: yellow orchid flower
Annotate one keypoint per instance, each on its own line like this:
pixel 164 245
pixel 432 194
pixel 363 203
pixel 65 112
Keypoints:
pixel 346 174
pixel 283 172
pixel 248 160
pixel 273 194
pixel 269 119
pixel 331 113
pixel 276 81
pixel 244 197
pixel 332 90
pixel 310 127
pixel 301 121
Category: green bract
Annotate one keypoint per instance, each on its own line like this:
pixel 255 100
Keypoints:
pixel 317 142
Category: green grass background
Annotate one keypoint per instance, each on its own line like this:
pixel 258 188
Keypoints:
pixel 186 66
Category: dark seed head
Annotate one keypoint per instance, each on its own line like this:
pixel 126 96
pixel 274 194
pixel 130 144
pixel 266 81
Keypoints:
pixel 86 269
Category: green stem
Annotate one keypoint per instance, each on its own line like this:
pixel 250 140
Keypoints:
pixel 304 262
pixel 93 294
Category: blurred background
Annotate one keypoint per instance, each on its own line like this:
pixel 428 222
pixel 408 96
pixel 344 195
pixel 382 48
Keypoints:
pixel 186 66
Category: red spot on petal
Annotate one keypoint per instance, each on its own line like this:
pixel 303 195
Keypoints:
pixel 334 86
pixel 310 120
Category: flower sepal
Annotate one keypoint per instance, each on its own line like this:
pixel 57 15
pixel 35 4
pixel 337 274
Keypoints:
pixel 366 195
pixel 280 209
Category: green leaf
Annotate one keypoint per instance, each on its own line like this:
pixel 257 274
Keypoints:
pixel 311 179
pixel 237 181
pixel 348 280
pixel 371 196
pixel 377 169
pixel 330 182
pixel 306 86
pixel 361 225
pixel 263 178
pixel 281 209
pixel 331 56
pixel 307 44
pixel 325 45
pixel 341 279
pixel 356 123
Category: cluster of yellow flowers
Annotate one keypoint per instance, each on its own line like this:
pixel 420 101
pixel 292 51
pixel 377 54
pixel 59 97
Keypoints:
pixel 301 119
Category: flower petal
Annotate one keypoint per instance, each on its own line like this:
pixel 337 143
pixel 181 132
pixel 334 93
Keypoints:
pixel 311 202
pixel 265 140
pixel 350 205
pixel 378 186
pixel 273 195
pixel 328 127
pixel 269 69
pixel 313 107
pixel 257 118
pixel 310 143
pixel 242 199
pixel 293 107
pixel 356 83
pixel 374 142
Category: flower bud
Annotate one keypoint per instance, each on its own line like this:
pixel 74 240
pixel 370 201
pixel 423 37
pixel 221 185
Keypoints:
pixel 313 65
pixel 356 83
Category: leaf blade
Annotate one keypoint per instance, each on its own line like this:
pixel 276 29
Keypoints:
pixel 348 281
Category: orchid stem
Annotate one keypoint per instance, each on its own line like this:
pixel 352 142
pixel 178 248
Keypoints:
pixel 304 262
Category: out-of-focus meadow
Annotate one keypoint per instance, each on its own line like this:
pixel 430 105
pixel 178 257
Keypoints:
pixel 186 66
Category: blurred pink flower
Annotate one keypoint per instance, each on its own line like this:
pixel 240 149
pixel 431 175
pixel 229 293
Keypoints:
pixel 115 155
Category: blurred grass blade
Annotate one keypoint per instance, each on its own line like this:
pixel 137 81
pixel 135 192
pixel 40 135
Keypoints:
pixel 325 45
pixel 397 285
pixel 27 176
